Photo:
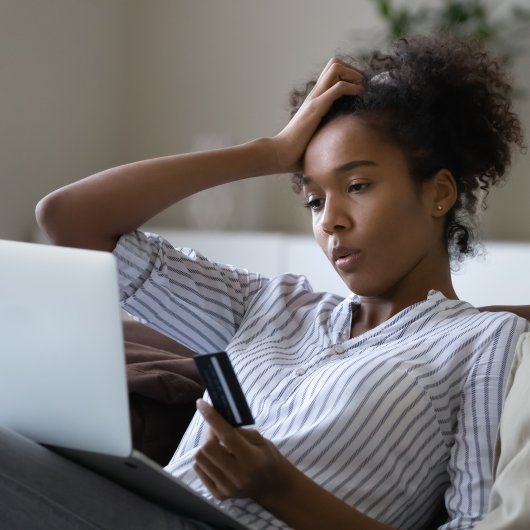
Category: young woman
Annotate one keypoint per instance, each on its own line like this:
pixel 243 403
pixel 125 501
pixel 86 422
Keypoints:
pixel 374 411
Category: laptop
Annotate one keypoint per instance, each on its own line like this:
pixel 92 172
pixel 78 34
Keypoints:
pixel 63 382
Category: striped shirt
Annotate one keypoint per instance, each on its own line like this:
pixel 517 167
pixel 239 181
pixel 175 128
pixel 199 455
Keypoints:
pixel 396 422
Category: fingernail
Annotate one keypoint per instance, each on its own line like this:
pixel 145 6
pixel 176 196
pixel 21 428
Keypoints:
pixel 201 405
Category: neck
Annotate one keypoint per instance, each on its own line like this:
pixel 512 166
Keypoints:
pixel 374 310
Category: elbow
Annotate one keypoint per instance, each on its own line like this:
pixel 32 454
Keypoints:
pixel 52 219
pixel 64 222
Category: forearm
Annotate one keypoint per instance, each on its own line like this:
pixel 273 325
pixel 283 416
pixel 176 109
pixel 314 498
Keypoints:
pixel 95 211
pixel 304 505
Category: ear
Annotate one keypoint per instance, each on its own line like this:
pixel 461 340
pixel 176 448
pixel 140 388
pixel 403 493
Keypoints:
pixel 443 192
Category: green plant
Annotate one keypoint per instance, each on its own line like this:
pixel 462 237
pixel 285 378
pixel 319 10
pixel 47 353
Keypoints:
pixel 503 28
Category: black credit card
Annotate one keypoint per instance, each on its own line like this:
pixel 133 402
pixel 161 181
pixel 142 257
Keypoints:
pixel 223 387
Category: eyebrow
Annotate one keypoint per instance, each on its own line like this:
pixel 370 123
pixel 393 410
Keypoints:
pixel 348 166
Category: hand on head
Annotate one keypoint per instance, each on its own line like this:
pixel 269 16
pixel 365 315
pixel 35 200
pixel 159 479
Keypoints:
pixel 337 79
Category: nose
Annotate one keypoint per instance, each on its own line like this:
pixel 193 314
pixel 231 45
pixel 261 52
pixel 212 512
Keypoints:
pixel 335 215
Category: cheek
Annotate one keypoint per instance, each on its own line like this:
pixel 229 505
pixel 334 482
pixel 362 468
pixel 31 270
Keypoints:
pixel 321 238
pixel 397 226
pixel 317 234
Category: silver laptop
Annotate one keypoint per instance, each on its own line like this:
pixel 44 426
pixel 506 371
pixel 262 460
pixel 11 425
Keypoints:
pixel 62 376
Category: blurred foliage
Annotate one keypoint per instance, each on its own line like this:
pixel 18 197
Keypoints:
pixel 502 26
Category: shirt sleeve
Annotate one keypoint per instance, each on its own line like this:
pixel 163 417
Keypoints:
pixel 181 293
pixel 471 459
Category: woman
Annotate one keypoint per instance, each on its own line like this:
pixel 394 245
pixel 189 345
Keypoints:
pixel 374 411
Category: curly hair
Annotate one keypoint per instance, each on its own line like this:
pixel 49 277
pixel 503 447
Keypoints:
pixel 447 104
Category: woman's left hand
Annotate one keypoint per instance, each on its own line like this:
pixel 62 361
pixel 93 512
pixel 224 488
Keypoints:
pixel 237 462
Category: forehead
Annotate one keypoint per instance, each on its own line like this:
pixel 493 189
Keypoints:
pixel 346 139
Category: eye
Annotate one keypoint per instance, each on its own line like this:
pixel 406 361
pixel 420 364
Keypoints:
pixel 314 204
pixel 358 187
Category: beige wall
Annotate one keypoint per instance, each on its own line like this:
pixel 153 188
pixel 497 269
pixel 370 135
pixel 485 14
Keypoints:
pixel 88 84
pixel 62 78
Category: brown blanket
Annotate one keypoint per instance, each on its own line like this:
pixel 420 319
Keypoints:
pixel 163 387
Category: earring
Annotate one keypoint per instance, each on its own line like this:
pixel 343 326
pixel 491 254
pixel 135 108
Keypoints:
pixel 439 207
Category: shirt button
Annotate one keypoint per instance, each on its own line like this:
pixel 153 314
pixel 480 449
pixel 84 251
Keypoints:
pixel 339 349
pixel 300 370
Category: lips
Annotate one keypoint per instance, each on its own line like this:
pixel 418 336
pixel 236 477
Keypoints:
pixel 345 257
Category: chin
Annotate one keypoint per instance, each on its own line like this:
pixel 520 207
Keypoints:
pixel 366 288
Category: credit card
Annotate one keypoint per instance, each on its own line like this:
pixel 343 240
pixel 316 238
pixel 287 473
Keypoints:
pixel 223 387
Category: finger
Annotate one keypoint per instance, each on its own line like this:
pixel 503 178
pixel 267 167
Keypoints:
pixel 318 106
pixel 235 466
pixel 226 433
pixel 216 490
pixel 216 453
pixel 337 61
pixel 252 436
pixel 221 467
pixel 214 456
pixel 233 476
pixel 342 88
pixel 335 72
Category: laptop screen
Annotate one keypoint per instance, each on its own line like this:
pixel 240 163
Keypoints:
pixel 62 376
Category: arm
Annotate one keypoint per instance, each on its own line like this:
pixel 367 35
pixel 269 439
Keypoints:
pixel 241 463
pixel 95 211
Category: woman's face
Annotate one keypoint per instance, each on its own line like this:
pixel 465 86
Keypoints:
pixel 374 224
